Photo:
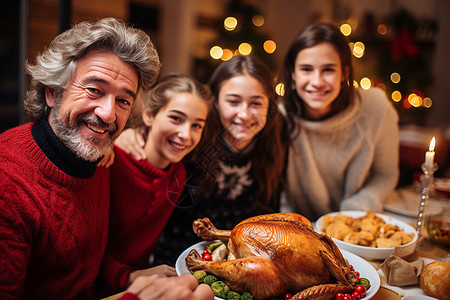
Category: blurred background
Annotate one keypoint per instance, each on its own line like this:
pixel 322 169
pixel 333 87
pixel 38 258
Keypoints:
pixel 400 46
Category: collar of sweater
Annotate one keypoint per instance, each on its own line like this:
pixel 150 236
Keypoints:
pixel 343 118
pixel 59 154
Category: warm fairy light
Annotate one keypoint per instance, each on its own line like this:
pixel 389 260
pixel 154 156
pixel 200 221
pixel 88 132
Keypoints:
pixel 279 89
pixel 258 20
pixel 230 23
pixel 216 52
pixel 269 46
pixel 395 77
pixel 245 48
pixel 365 83
pixel 346 29
pixel 226 55
pixel 358 49
pixel 396 96
pixel 415 100
pixel 355 84
pixel 382 29
pixel 427 102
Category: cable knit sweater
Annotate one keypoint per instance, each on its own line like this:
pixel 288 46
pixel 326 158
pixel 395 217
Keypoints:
pixel 142 199
pixel 346 162
pixel 53 224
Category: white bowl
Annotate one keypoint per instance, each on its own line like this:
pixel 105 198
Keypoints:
pixel 371 252
pixel 365 269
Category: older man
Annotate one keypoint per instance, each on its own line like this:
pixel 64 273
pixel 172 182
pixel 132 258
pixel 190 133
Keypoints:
pixel 54 201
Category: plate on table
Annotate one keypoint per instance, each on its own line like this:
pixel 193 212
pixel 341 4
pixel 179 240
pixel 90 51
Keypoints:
pixel 371 252
pixel 406 202
pixel 365 269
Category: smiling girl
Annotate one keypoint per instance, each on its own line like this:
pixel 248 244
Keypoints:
pixel 346 145
pixel 144 193
pixel 239 168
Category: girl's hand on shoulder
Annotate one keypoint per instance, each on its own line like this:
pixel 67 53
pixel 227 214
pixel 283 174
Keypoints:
pixel 108 158
pixel 132 141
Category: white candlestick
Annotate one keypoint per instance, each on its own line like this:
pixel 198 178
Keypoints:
pixel 429 156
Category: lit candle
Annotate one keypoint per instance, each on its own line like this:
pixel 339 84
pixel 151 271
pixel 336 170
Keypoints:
pixel 429 156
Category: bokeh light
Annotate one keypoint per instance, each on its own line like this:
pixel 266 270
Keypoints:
pixel 427 102
pixel 415 100
pixel 395 77
pixel 245 48
pixel 279 89
pixel 346 29
pixel 365 83
pixel 382 29
pixel 216 52
pixel 358 49
pixel 396 96
pixel 269 46
pixel 258 20
pixel 227 54
pixel 230 23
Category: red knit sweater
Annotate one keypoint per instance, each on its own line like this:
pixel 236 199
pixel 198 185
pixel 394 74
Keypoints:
pixel 52 226
pixel 142 199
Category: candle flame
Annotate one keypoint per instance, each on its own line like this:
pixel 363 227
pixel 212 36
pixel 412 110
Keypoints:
pixel 432 143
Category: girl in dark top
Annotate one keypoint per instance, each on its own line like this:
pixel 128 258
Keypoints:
pixel 238 171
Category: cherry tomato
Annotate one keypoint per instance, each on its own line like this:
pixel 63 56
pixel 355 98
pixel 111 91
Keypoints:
pixel 356 295
pixel 348 297
pixel 351 267
pixel 361 290
pixel 205 251
pixel 206 256
pixel 357 273
pixel 339 296
pixel 287 296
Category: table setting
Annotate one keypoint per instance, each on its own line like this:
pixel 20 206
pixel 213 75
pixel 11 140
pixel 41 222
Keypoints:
pixel 395 271
pixel 407 258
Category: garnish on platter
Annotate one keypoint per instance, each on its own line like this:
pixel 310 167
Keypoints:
pixel 274 256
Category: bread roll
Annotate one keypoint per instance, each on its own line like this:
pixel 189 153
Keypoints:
pixel 435 280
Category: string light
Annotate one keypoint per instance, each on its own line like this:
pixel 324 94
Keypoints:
pixel 230 23
pixel 346 29
pixel 216 52
pixel 269 46
pixel 245 48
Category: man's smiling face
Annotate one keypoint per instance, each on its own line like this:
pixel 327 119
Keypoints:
pixel 93 110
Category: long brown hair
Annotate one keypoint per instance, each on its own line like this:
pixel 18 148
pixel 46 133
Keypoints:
pixel 309 37
pixel 270 148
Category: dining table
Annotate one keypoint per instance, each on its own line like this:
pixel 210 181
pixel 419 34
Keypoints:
pixel 402 205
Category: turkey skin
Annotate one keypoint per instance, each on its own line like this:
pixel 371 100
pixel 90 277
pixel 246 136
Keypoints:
pixel 275 254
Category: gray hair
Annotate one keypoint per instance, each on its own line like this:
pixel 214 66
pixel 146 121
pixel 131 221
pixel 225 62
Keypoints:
pixel 54 67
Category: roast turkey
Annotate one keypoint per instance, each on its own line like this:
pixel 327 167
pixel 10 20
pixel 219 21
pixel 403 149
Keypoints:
pixel 275 254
